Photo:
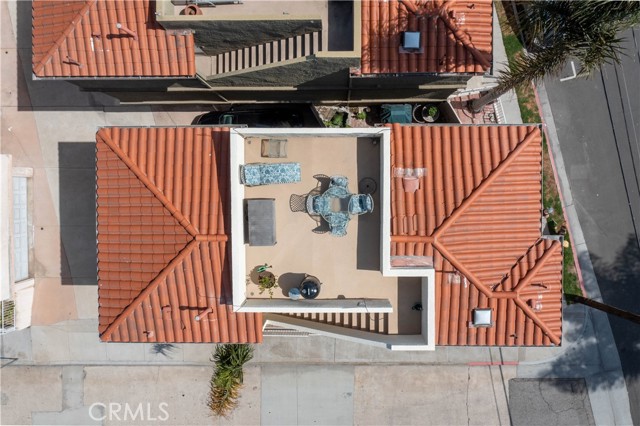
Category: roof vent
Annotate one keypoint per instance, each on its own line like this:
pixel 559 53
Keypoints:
pixel 411 41
pixel 482 317
pixel 126 30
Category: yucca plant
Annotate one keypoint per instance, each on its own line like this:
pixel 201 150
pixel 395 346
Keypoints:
pixel 227 377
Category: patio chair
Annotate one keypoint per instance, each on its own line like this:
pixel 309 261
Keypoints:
pixel 322 227
pixel 339 226
pixel 317 205
pixel 339 230
pixel 360 204
pixel 298 203
pixel 269 173
pixel 342 181
pixel 324 182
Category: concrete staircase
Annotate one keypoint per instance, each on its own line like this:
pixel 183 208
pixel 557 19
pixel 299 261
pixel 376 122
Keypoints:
pixel 374 322
pixel 263 54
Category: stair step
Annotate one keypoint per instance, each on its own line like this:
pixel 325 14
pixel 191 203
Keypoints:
pixel 267 53
pixel 374 322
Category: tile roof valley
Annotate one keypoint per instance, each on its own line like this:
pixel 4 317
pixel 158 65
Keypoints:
pixel 478 214
pixel 163 237
pixel 107 38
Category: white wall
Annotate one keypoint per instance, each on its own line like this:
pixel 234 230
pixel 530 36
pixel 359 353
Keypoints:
pixel 345 306
pixel 6 225
pixel 23 297
pixel 238 253
pixel 414 342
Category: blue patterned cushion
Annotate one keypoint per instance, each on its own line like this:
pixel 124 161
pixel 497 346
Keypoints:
pixel 361 203
pixel 342 181
pixel 321 205
pixel 270 173
pixel 339 230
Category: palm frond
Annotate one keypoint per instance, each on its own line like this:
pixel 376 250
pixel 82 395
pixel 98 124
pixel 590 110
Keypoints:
pixel 227 377
pixel 587 31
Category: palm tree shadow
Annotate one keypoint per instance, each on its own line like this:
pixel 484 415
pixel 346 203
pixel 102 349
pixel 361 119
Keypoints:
pixel 588 352
pixel 164 349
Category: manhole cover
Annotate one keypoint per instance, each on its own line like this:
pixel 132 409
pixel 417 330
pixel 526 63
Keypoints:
pixel 367 186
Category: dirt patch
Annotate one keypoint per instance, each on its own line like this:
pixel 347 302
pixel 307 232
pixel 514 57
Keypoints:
pixel 341 116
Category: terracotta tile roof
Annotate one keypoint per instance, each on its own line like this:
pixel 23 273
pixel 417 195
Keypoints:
pixel 163 237
pixel 478 213
pixel 456 36
pixel 81 39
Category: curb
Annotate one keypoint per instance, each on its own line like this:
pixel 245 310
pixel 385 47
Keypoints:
pixel 560 192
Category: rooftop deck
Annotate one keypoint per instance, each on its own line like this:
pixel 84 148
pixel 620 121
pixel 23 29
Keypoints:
pixel 260 8
pixel 349 266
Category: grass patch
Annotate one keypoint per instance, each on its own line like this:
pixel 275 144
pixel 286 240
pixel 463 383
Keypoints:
pixel 512 46
pixel 570 283
pixel 530 114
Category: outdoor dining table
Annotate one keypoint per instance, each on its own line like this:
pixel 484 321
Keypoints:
pixel 336 198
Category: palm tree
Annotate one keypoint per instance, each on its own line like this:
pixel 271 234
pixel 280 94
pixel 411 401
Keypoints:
pixel 554 31
pixel 228 376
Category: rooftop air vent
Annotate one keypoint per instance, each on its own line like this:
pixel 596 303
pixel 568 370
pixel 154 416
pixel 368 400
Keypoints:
pixel 411 41
pixel 482 317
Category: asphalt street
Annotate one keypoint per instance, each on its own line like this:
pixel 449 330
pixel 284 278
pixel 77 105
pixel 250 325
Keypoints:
pixel 598 127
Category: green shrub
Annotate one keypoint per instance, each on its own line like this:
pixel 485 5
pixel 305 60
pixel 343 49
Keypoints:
pixel 227 377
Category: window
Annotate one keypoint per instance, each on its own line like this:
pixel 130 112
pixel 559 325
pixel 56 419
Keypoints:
pixel 20 229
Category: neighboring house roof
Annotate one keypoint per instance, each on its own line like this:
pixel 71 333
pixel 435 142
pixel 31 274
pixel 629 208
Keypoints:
pixel 478 213
pixel 456 36
pixel 81 39
pixel 163 216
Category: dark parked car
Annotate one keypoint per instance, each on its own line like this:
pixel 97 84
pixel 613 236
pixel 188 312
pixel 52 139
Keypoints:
pixel 286 115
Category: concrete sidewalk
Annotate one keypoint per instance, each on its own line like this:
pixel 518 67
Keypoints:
pixel 272 394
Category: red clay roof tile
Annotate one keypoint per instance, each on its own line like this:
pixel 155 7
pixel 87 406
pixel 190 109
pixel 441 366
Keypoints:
pixel 477 212
pixel 456 36
pixel 163 226
pixel 81 39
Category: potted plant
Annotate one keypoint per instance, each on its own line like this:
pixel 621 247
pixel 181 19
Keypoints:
pixel 192 9
pixel 430 113
pixel 267 282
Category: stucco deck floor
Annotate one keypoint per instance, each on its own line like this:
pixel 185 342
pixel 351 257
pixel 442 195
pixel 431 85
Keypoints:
pixel 347 266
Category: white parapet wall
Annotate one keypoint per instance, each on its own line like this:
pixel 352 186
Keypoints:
pixel 238 253
pixel 425 341
pixel 343 306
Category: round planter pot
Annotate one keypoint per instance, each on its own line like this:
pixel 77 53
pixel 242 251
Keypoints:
pixel 417 113
pixel 430 118
pixel 266 274
pixel 192 9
